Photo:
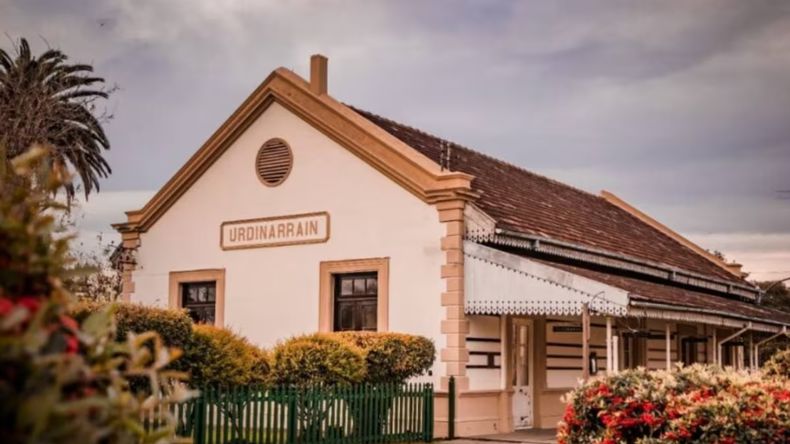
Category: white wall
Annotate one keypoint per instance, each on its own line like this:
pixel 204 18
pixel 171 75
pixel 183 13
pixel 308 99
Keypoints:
pixel 272 293
pixel 484 327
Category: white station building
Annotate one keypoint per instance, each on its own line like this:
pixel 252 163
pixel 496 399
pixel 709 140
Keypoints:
pixel 303 214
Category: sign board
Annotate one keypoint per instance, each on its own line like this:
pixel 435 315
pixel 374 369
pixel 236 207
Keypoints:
pixel 276 231
pixel 567 329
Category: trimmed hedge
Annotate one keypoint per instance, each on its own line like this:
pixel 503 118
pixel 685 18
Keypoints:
pixel 218 357
pixel 174 326
pixel 392 357
pixel 317 359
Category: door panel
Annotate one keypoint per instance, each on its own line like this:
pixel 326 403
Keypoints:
pixel 521 359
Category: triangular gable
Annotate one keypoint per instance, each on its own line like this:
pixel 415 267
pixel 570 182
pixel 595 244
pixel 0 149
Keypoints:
pixel 398 161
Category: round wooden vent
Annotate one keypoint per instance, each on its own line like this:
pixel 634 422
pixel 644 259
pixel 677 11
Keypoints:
pixel 274 162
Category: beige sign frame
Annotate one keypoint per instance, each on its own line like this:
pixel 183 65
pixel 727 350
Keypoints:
pixel 275 244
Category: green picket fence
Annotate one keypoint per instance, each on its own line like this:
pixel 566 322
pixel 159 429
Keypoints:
pixel 331 415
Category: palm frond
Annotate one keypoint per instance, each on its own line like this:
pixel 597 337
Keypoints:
pixel 45 100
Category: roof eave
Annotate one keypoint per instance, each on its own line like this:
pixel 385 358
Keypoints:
pixel 619 261
pixel 708 311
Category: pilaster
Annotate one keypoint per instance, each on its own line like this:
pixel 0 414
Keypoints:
pixel 129 242
pixel 454 325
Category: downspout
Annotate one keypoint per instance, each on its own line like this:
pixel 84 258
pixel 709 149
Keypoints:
pixel 730 338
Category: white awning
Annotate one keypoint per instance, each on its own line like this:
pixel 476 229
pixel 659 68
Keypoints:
pixel 496 282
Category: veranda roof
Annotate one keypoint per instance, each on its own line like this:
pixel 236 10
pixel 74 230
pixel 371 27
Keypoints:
pixel 497 282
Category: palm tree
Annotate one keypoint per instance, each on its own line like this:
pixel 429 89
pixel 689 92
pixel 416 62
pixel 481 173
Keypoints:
pixel 46 101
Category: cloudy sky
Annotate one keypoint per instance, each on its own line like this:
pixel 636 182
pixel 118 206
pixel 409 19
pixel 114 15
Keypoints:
pixel 680 107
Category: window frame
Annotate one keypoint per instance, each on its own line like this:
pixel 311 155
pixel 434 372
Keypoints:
pixel 217 275
pixel 326 298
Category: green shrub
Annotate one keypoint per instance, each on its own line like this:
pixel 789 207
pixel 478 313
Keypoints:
pixel 392 357
pixel 174 326
pixel 778 365
pixel 317 359
pixel 218 357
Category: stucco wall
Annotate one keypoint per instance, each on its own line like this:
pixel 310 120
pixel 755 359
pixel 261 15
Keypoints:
pixel 272 293
pixel 483 329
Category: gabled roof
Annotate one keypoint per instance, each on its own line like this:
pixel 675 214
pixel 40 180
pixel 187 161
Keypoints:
pixel 381 150
pixel 528 203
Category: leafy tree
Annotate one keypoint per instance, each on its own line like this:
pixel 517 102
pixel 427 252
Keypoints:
pixel 46 101
pixel 777 295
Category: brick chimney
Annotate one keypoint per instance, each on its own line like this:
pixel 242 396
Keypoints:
pixel 319 65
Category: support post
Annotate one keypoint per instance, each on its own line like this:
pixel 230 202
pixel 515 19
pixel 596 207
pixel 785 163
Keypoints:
pixel 714 349
pixel 616 360
pixel 730 338
pixel 585 341
pixel 668 345
pixel 609 356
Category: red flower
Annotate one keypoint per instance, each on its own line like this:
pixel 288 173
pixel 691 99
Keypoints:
pixel 5 306
pixel 630 422
pixel 72 344
pixel 69 322
pixel 32 304
pixel 782 395
pixel 569 414
pixel 651 420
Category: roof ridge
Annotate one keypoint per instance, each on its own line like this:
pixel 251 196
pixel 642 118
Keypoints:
pixel 480 153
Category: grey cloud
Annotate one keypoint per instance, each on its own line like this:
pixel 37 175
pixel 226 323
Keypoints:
pixel 680 107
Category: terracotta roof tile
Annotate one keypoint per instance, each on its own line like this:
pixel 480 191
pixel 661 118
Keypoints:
pixel 529 203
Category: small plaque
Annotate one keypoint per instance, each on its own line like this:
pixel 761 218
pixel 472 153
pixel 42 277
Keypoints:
pixel 567 329
pixel 276 231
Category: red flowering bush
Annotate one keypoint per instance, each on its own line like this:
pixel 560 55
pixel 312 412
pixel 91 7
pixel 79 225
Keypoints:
pixel 747 411
pixel 695 404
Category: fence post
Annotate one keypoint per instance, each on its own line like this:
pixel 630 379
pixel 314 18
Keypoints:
pixel 428 412
pixel 451 408
pixel 199 419
pixel 292 419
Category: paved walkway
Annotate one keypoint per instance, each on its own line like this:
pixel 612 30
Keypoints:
pixel 532 436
